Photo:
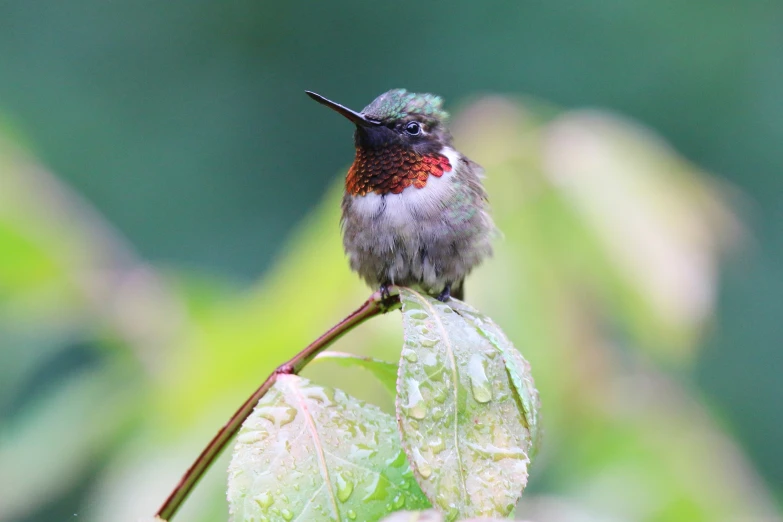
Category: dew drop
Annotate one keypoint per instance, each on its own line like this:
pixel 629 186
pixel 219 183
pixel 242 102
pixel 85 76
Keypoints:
pixel 399 501
pixel 362 451
pixel 416 314
pixel 351 514
pixel 482 391
pixel 423 467
pixel 286 514
pixel 344 487
pixel 280 415
pixel 415 404
pixel 410 355
pixel 378 490
pixel 264 500
pixel 437 445
pixel 249 437
pixel 397 461
pixel 432 367
pixel 439 394
pixel 427 342
pixel 320 395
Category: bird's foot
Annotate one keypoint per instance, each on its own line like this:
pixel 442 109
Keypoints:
pixel 387 301
pixel 445 295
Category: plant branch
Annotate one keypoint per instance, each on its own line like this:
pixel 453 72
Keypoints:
pixel 375 305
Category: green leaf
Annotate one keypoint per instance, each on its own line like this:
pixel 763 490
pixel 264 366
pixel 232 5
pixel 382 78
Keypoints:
pixel 517 367
pixel 461 417
pixel 313 453
pixel 431 515
pixel 384 371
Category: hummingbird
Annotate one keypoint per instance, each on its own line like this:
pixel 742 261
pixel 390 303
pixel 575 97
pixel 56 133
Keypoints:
pixel 414 212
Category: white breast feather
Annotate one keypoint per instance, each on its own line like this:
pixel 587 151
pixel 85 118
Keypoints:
pixel 403 210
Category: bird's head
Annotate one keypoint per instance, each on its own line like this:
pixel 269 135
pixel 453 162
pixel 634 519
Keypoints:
pixel 399 141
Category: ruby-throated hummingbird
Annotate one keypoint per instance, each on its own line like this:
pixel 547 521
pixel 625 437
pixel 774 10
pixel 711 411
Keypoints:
pixel 414 209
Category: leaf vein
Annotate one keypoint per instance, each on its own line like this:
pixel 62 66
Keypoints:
pixel 455 377
pixel 319 450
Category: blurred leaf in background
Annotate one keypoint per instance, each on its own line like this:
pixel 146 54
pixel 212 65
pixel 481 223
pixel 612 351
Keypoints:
pixel 606 280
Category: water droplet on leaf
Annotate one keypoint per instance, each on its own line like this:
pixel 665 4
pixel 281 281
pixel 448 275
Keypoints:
pixel 280 415
pixel 378 490
pixel 362 451
pixel 344 487
pixel 422 466
pixel 398 460
pixel 439 394
pixel 416 314
pixel 437 445
pixel 415 404
pixel 264 500
pixel 482 390
pixel 250 437
pixel 427 342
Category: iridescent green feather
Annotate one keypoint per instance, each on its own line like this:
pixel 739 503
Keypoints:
pixel 399 103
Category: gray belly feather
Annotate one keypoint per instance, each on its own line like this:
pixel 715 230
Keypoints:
pixel 426 237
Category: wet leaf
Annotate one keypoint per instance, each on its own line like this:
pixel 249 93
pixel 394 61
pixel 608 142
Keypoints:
pixel 517 367
pixel 313 453
pixel 462 418
pixel 384 371
pixel 431 515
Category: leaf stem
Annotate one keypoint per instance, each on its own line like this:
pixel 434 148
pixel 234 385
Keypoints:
pixel 375 305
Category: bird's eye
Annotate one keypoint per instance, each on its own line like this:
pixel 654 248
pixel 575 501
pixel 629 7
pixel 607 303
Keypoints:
pixel 413 128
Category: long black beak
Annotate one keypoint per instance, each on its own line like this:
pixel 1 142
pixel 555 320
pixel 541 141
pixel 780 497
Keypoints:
pixel 356 117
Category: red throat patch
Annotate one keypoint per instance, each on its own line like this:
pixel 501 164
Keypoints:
pixel 392 170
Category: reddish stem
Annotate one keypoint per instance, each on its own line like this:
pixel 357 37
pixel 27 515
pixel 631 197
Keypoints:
pixel 375 305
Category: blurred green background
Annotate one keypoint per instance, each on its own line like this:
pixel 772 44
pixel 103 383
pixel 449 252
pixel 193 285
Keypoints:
pixel 169 233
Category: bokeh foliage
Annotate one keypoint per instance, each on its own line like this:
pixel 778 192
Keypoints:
pixel 605 279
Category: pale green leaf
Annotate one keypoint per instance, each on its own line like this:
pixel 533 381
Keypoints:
pixel 517 367
pixel 311 453
pixel 384 371
pixel 462 422
pixel 431 515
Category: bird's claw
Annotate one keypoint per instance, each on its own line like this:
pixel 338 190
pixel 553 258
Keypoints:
pixel 386 299
pixel 445 295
